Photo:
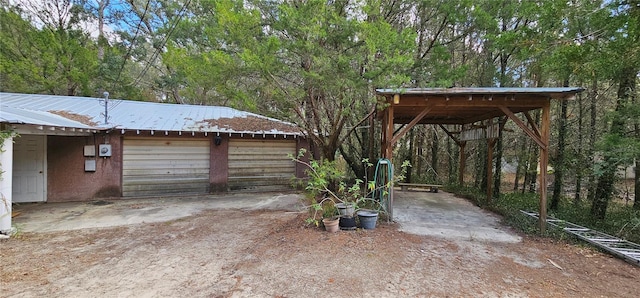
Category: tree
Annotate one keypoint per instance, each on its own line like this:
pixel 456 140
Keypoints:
pixel 618 147
pixel 321 61
pixel 59 58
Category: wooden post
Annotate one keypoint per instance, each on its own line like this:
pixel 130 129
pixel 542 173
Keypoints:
pixel 383 133
pixel 544 160
pixel 461 163
pixel 388 134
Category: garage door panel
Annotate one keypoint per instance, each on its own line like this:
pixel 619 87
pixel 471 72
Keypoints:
pixel 258 163
pixel 163 156
pixel 164 171
pixel 168 150
pixel 183 181
pixel 261 165
pixel 162 166
pixel 282 171
pixel 266 157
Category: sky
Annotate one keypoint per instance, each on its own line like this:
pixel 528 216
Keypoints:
pixel 46 11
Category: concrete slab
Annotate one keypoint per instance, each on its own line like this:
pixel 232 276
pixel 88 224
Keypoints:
pixel 444 215
pixel 418 212
pixel 47 217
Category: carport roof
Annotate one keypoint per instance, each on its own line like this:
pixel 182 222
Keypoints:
pixel 86 112
pixel 467 105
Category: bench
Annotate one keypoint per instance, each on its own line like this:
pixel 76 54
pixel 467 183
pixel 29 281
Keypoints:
pixel 429 187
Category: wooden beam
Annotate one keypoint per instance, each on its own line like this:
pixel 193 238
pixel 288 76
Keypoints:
pixel 454 138
pixel 383 134
pixel 527 130
pixel 409 126
pixel 388 134
pixel 544 160
pixel 532 123
pixel 463 101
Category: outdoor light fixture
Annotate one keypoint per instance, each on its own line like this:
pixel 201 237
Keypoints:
pixel 217 140
pixel 396 99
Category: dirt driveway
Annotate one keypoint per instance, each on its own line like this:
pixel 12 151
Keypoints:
pixel 257 252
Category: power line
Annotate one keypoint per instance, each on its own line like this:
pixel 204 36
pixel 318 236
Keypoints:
pixel 164 42
pixel 135 35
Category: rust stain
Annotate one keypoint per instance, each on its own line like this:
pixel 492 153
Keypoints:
pixel 250 123
pixel 86 120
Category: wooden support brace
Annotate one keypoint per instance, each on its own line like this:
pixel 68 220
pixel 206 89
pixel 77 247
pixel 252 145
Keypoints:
pixel 411 124
pixel 531 133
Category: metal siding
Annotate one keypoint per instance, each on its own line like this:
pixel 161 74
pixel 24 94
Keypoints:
pixel 165 166
pixel 261 164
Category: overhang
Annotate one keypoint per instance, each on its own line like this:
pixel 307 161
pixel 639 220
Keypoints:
pixel 467 105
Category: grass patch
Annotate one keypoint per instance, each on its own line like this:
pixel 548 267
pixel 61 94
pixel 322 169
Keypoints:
pixel 621 221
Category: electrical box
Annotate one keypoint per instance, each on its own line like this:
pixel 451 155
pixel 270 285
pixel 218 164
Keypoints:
pixel 105 150
pixel 89 150
pixel 90 165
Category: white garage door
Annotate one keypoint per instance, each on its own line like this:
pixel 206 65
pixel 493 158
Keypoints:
pixel 261 164
pixel 165 166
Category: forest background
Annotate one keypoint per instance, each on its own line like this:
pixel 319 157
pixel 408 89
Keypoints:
pixel 317 63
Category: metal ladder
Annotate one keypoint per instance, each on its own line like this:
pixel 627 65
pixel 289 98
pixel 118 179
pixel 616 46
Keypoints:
pixel 621 248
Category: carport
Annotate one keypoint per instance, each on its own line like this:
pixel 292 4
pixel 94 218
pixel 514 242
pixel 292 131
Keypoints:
pixel 472 111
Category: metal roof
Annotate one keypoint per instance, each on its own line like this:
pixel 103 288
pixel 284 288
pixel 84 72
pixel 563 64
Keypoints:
pixel 87 112
pixel 551 91
pixel 13 115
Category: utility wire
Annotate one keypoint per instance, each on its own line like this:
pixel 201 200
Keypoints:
pixel 164 42
pixel 135 35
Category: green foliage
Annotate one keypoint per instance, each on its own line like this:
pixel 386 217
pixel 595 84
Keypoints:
pixel 322 197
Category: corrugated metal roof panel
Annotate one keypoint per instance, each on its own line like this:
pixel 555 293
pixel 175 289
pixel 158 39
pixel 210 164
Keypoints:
pixel 138 115
pixel 480 90
pixel 23 116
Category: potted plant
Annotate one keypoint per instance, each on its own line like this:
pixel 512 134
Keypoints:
pixel 330 219
pixel 344 200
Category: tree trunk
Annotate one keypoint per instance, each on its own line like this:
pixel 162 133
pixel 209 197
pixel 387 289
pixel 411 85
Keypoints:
pixel 434 157
pixel 497 175
pixel 482 158
pixel 605 186
pixel 520 163
pixel 451 163
pixel 579 170
pixel 593 95
pixel 559 165
pixel 636 177
pixel 532 163
pixel 636 184
pixel 411 156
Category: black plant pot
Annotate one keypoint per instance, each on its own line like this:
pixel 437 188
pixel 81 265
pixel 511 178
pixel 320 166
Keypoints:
pixel 347 222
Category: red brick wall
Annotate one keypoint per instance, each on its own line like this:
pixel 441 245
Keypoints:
pixel 66 177
pixel 219 164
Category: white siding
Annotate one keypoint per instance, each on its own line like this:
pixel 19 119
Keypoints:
pixel 261 164
pixel 157 166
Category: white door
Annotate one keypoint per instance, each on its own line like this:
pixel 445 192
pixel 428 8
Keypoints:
pixel 28 169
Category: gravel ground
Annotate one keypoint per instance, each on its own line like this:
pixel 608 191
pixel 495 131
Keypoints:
pixel 269 253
